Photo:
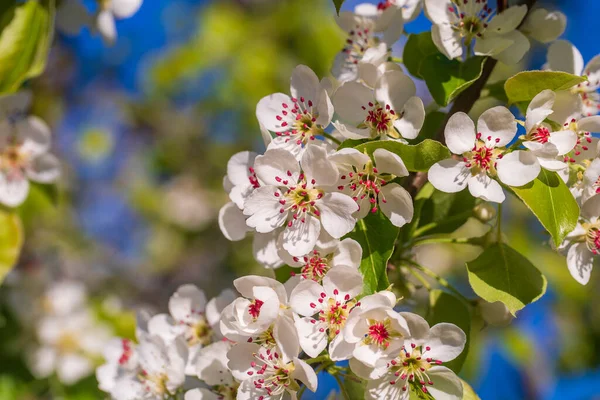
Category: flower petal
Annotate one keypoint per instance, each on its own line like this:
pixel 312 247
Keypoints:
pixel 301 237
pixel 446 385
pixel 449 175
pixel 389 163
pixel 497 123
pixel 412 120
pixel 394 88
pixel 563 56
pixel 305 374
pixel 336 214
pixel 580 262
pixel 232 222
pixel 447 40
pixel 543 25
pixel 348 252
pixel 44 168
pixel 265 249
pixel 269 112
pixel 125 8
pixel 277 166
pixel 346 280
pixel 396 204
pixel 539 108
pixel 460 133
pixel 484 187
pixel 447 341
pixel 264 209
pixel 14 191
pixel 351 100
pixel 312 340
pixel 317 166
pixel 518 168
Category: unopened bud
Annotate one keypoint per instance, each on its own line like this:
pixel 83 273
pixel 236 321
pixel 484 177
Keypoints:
pixel 495 314
pixel 484 212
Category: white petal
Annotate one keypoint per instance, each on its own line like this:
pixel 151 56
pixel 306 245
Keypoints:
pixel 497 123
pixel 417 327
pixel 446 385
pixel 518 168
pixel 73 367
pixel 232 222
pixel 437 11
pixel 271 107
pixel 391 23
pixel 200 394
pixel 350 156
pixel 352 132
pixel 238 167
pixel 580 262
pixel 339 349
pixel 545 26
pixel 394 88
pixel 449 175
pixel 484 187
pixel 460 133
pixel 447 341
pixel 105 24
pixel 508 20
pixel 34 134
pixel 592 69
pixel 398 204
pixel 516 51
pixel 491 45
pixel 336 214
pixel 286 337
pixel 317 166
pixel 539 108
pixel 304 299
pixel 13 192
pixel 589 124
pixel 567 106
pixel 265 249
pixel 346 280
pixel 413 119
pixel 264 209
pixel 312 340
pixel 447 40
pixel 186 301
pixel 348 252
pixel 351 100
pixel 304 84
pixel 125 8
pixel 246 284
pixel 44 168
pixel 305 374
pixel 390 163
pixel 276 167
pixel 301 237
pixel 564 141
pixel 239 359
pixel 212 364
pixel 563 56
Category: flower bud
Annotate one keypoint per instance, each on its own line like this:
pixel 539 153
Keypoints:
pixel 484 212
pixel 495 314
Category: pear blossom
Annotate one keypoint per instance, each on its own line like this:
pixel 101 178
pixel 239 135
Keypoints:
pixel 326 257
pixel 582 128
pixel 484 157
pixel 261 315
pixel 193 318
pixel 545 144
pixel 543 25
pixel 390 110
pixel 330 304
pixel 372 30
pixel 369 183
pixel 582 245
pixel 299 198
pixel 67 346
pixel 24 145
pixel 418 366
pixel 459 23
pixel 212 369
pixel 121 364
pixel 563 56
pixel 410 8
pixel 374 332
pixel 267 374
pixel 298 121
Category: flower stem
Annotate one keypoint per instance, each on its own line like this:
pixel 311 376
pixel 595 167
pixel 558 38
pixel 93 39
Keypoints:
pixel 499 223
pixel 397 60
pixel 443 282
pixel 450 240
pixel 334 140
pixel 432 225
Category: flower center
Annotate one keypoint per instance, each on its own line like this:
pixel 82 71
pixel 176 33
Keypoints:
pixel 358 42
pixel 254 308
pixel 299 120
pixel 314 267
pixel 155 383
pixel 335 314
pixel 200 332
pixel 540 135
pixel 265 339
pixel 300 199
pixel 252 178
pixel 380 333
pixel 592 238
pixel 380 119
pixel 472 17
pixel 589 96
pixel 410 368
pixel 366 184
pixel 583 140
pixel 13 160
pixel 67 343
pixel 483 156
pixel 127 352
pixel 272 374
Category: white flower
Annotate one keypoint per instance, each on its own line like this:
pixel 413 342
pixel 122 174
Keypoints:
pixel 212 369
pixel 583 244
pixel 483 156
pixel 297 197
pixel 418 365
pixel 543 25
pixel 24 145
pixel 241 176
pixel 324 309
pixel 372 30
pixel 374 332
pixel 64 297
pixel 325 257
pixel 261 315
pixel 582 128
pixel 540 140
pixel 68 345
pixel 193 318
pixel 390 110
pixel 369 184
pixel 410 8
pixel 563 56
pixel 121 364
pixel 300 120
pixel 458 22
pixel 267 374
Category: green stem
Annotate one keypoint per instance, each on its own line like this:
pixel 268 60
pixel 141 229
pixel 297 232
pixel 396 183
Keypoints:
pixel 432 225
pixel 397 60
pixel 426 284
pixel 334 140
pixel 319 359
pixel 438 278
pixel 450 240
pixel 499 223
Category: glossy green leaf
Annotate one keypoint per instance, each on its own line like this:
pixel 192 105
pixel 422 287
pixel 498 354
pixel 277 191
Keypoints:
pixel 552 203
pixel 468 392
pixel 352 387
pixel 445 307
pixel 11 241
pixel 338 5
pixel 445 78
pixel 501 273
pixel 524 86
pixel 431 126
pixel 417 157
pixel 26 33
pixel 377 236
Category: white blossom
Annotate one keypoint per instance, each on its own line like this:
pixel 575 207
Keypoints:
pixel 483 156
pixel 543 25
pixel 369 183
pixel 390 110
pixel 211 368
pixel 459 23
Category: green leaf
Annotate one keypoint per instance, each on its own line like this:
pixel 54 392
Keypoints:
pixel 11 241
pixel 524 86
pixel 431 126
pixel 552 203
pixel 468 392
pixel 377 236
pixel 445 78
pixel 352 387
pixel 418 157
pixel 26 33
pixel 445 307
pixel 338 5
pixel 448 211
pixel 501 273
pixel 352 143
pixel 496 90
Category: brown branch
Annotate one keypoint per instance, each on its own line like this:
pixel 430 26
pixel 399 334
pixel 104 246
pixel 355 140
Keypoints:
pixel 463 103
